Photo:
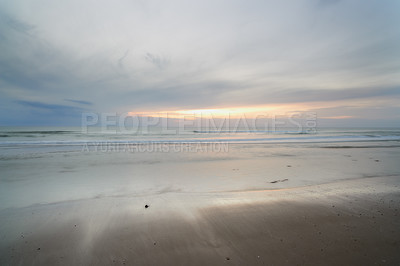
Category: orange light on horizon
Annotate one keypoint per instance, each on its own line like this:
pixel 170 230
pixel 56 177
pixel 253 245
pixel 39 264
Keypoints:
pixel 236 112
pixel 257 111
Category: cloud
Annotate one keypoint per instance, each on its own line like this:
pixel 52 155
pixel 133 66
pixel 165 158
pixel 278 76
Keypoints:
pixel 331 95
pixel 324 3
pixel 157 60
pixel 121 59
pixel 129 55
pixel 54 108
pixel 15 24
pixel 79 101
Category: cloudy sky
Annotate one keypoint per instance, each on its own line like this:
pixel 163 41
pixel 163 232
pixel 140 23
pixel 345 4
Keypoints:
pixel 340 59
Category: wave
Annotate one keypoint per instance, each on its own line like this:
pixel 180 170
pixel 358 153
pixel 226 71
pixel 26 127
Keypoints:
pixel 250 131
pixel 297 132
pixel 308 139
pixel 359 147
pixel 45 132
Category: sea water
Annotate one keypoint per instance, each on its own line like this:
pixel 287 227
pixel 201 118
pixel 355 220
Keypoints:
pixel 42 165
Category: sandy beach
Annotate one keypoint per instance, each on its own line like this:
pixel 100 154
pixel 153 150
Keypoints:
pixel 272 211
pixel 353 223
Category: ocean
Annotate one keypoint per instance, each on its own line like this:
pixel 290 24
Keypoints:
pixel 75 136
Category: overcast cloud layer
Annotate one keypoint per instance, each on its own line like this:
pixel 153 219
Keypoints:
pixel 61 58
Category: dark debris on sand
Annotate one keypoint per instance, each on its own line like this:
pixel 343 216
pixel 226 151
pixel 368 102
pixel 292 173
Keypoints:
pixel 277 181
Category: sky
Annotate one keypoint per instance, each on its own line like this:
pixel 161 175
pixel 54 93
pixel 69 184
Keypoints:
pixel 339 59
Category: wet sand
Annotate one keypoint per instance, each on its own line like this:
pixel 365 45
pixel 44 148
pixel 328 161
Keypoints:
pixel 351 222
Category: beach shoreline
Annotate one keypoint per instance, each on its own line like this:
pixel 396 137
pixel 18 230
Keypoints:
pixel 347 222
pixel 304 204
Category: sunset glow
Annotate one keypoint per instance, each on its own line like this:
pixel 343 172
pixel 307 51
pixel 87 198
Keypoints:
pixel 237 112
